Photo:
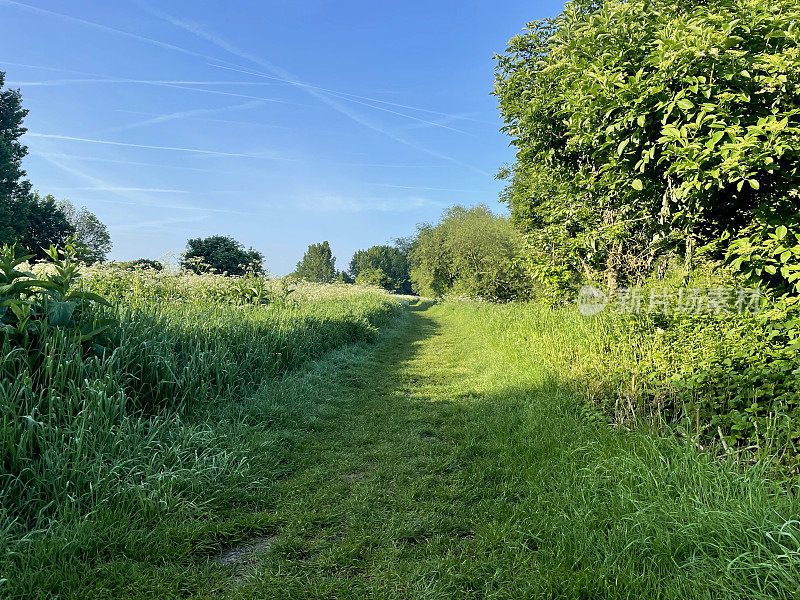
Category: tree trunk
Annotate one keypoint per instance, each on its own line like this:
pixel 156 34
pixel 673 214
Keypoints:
pixel 688 262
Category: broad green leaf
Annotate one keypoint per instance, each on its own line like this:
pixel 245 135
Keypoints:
pixel 59 314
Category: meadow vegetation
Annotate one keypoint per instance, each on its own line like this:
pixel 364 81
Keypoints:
pixel 99 362
pixel 447 459
pixel 657 150
pixel 504 446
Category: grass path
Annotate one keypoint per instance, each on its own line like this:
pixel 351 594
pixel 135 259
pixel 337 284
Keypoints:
pixel 447 462
pixel 455 467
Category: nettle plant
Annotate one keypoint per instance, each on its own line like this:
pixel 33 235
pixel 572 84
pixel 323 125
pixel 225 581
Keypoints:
pixel 33 307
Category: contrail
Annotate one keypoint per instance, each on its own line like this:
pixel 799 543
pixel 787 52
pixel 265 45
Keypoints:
pixel 157 224
pixel 219 42
pixel 109 188
pixel 126 162
pixel 321 96
pixel 331 203
pixel 104 28
pixel 126 193
pixel 359 100
pixel 171 148
pixel 432 189
pixel 165 166
pixel 169 84
pixel 412 117
pixel 58 82
pixel 185 115
pixel 350 95
pixel 283 76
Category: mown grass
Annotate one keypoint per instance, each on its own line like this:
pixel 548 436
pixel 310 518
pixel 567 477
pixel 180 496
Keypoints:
pixel 452 459
pixel 84 427
pixel 480 476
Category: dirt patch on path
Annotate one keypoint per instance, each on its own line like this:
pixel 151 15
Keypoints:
pixel 243 554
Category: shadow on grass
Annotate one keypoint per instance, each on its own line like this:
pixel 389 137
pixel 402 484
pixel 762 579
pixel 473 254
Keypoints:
pixel 387 474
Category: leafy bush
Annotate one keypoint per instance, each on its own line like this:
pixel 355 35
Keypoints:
pixel 769 254
pixel 469 252
pixel 372 276
pixel 139 263
pixel 221 254
pixel 386 266
pixel 646 129
pixel 727 381
pixel 31 308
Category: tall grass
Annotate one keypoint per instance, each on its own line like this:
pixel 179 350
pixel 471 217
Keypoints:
pixel 78 423
pixel 583 510
pixel 725 382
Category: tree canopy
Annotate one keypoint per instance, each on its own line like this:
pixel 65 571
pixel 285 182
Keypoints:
pixel 318 264
pixel 471 252
pixel 14 188
pixel 648 129
pixel 89 231
pixel 387 267
pixel 36 222
pixel 46 225
pixel 221 254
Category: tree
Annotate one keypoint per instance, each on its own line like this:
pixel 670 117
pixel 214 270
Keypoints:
pixel 390 261
pixel 90 231
pixel 374 276
pixel 471 252
pixel 646 129
pixel 14 188
pixel 344 277
pixel 140 264
pixel 46 225
pixel 318 264
pixel 221 254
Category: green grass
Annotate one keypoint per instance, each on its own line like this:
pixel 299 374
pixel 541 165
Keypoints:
pixel 81 430
pixel 451 459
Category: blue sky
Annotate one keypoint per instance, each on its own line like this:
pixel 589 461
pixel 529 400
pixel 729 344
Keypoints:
pixel 279 122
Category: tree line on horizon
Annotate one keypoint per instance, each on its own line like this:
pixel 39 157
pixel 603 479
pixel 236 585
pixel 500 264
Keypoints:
pixel 469 252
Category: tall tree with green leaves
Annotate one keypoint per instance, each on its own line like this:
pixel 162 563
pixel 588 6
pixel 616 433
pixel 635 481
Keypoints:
pixel 318 264
pixel 471 252
pixel 389 261
pixel 46 225
pixel 221 254
pixel 14 188
pixel 89 230
pixel 647 129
